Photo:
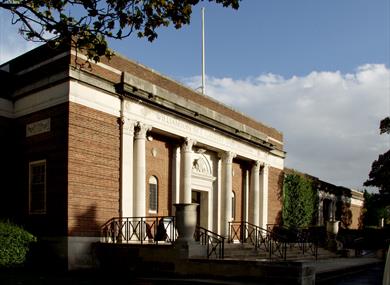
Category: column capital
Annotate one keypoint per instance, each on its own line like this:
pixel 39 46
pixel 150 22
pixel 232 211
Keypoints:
pixel 141 129
pixel 256 165
pixel 187 144
pixel 264 166
pixel 127 125
pixel 227 156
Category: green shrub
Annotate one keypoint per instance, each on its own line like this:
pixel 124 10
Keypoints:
pixel 14 244
pixel 299 201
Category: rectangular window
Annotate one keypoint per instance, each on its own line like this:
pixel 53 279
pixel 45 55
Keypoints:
pixel 37 187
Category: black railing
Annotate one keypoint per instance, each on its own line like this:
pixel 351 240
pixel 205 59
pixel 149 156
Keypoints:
pixel 139 229
pixel 215 243
pixel 275 245
pixel 303 238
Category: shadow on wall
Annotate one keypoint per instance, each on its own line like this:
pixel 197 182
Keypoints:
pixel 278 216
pixel 85 223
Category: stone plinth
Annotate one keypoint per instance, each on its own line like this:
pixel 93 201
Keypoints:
pixel 185 225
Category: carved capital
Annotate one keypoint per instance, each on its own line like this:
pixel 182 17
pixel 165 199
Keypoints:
pixel 256 165
pixel 188 144
pixel 227 156
pixel 141 129
pixel 265 167
pixel 127 126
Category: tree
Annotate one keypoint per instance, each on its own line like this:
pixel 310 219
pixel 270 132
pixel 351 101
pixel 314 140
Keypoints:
pixel 379 175
pixel 375 208
pixel 87 24
pixel 299 201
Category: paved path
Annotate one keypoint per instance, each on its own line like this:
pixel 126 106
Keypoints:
pixel 349 271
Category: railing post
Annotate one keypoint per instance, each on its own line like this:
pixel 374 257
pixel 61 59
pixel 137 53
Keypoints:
pixel 270 247
pixel 229 232
pixel 256 238
pixel 141 226
pixel 222 254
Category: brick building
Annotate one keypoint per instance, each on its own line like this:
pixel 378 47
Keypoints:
pixel 83 144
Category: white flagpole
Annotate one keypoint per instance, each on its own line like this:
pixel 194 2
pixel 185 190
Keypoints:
pixel 203 57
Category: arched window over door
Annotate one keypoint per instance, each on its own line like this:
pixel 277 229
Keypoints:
pixel 153 194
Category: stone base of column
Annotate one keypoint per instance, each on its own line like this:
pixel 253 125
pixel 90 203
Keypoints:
pixel 185 224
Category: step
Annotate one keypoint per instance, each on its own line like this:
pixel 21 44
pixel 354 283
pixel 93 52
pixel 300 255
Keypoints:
pixel 247 252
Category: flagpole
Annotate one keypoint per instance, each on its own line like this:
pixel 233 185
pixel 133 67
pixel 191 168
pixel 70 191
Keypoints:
pixel 203 58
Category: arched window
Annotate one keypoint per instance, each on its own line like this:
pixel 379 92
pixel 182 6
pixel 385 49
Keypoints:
pixel 233 206
pixel 153 194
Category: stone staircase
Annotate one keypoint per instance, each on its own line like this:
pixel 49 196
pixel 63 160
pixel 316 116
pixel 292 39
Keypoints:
pixel 246 251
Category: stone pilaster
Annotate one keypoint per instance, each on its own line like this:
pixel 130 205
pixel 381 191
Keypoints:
pixel 255 175
pixel 264 179
pixel 140 169
pixel 127 127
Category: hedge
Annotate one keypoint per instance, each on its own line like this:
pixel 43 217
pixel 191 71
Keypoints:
pixel 14 244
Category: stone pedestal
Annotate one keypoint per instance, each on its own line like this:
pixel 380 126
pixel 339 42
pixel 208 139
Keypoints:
pixel 185 225
pixel 332 228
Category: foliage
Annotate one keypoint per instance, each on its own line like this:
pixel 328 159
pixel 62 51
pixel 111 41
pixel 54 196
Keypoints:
pixel 87 24
pixel 375 208
pixel 14 244
pixel 379 175
pixel 299 201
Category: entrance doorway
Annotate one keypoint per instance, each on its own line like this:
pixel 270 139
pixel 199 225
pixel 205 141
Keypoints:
pixel 201 198
pixel 196 199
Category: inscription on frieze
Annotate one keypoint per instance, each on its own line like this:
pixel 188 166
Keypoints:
pixel 38 127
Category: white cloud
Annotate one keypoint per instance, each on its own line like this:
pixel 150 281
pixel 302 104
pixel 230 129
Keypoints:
pixel 330 120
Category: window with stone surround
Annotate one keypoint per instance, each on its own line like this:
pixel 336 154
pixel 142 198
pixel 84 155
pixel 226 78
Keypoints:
pixel 153 194
pixel 37 187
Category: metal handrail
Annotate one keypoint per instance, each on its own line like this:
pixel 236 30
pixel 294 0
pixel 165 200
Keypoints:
pixel 301 236
pixel 215 243
pixel 275 245
pixel 139 229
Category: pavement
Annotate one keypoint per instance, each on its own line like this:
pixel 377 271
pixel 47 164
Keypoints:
pixel 334 271
pixel 351 270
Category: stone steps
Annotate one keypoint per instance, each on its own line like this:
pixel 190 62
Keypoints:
pixel 247 252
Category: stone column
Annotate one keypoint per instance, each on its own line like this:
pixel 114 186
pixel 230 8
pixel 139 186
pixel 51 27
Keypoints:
pixel 246 197
pixel 227 187
pixel 175 177
pixel 140 170
pixel 186 171
pixel 127 138
pixel 255 175
pixel 264 180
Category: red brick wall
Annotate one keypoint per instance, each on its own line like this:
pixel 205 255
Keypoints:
pixel 275 192
pixel 356 217
pixel 94 170
pixel 159 166
pixel 50 146
pixel 238 186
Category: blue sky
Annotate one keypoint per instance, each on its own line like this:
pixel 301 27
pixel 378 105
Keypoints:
pixel 278 36
pixel 316 70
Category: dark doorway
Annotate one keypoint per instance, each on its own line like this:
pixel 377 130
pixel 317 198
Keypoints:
pixel 196 199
